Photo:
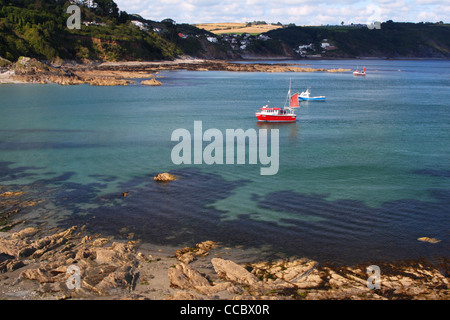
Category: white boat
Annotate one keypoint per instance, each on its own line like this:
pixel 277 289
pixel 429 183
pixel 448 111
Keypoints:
pixel 306 96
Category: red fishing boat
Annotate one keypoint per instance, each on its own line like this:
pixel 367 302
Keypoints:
pixel 287 114
pixel 359 73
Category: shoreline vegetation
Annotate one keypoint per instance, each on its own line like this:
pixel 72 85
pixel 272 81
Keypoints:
pixel 30 70
pixel 40 262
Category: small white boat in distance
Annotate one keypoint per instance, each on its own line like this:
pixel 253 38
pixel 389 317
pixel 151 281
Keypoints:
pixel 306 96
pixel 360 73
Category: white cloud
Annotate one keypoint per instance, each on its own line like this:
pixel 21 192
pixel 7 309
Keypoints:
pixel 300 12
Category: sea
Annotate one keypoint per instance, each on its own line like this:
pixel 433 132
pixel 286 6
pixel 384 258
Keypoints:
pixel 362 176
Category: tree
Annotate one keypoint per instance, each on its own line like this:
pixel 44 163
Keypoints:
pixel 171 29
pixel 107 8
pixel 168 22
pixel 123 17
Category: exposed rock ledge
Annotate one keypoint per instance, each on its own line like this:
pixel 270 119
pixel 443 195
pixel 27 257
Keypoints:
pixel 37 266
pixel 151 82
pixel 27 70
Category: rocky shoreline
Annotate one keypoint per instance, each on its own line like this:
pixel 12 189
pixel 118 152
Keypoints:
pixel 27 70
pixel 54 263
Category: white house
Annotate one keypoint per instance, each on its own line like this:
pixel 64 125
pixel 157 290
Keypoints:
pixel 306 46
pixel 139 24
pixel 263 37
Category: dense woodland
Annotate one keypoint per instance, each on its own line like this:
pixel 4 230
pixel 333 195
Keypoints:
pixel 392 40
pixel 37 28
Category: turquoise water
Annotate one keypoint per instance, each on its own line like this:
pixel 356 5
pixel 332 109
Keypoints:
pixel 361 176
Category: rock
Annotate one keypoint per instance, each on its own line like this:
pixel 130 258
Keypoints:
pixel 25 233
pixel 185 277
pixel 34 274
pixel 163 177
pixel 28 65
pixel 117 254
pixel 122 278
pixel 189 254
pixel 12 247
pixel 108 81
pixel 299 273
pixel 151 82
pixel 204 247
pixel 11 265
pixel 14 265
pixel 429 240
pixel 39 247
pixel 339 70
pixel 10 194
pixel 103 270
pixel 178 279
pixel 100 242
pixel 185 256
pixel 231 271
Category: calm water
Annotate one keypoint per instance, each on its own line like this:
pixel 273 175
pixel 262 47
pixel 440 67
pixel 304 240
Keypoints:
pixel 361 177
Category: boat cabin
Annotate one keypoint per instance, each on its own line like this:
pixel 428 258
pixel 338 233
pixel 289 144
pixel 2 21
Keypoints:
pixel 272 111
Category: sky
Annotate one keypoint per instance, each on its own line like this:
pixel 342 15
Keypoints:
pixel 300 12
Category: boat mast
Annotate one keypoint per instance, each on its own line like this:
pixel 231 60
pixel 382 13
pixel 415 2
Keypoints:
pixel 288 98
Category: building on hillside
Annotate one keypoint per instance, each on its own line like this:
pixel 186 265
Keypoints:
pixel 140 25
pixel 263 37
pixel 94 23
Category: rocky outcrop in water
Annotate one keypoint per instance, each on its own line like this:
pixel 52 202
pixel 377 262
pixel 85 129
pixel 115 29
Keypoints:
pixel 30 70
pixel 123 73
pixel 212 65
pixel 164 177
pixel 151 82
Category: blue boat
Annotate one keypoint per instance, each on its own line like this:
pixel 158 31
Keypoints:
pixel 305 96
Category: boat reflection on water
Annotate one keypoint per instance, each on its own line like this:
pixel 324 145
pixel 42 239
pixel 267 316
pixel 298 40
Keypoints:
pixel 293 128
